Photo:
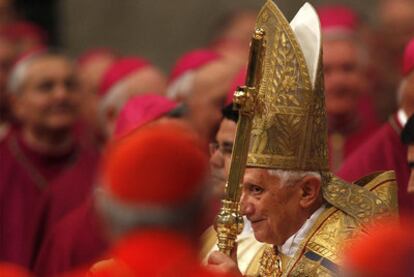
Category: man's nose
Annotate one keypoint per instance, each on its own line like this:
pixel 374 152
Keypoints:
pixel 246 207
pixel 60 91
pixel 216 159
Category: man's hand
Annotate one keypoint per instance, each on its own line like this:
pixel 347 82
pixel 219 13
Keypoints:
pixel 222 263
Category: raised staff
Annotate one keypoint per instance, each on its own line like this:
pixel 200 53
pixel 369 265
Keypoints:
pixel 229 222
pixel 295 204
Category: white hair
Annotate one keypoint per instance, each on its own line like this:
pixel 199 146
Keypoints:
pixel 181 88
pixel 18 73
pixel 290 177
pixel 114 98
pixel 122 217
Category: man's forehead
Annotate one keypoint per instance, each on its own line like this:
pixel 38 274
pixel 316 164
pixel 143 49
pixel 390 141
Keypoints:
pixel 49 59
pixel 49 65
pixel 227 130
pixel 216 71
pixel 334 45
pixel 255 175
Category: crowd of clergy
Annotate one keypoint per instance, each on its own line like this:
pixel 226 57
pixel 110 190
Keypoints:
pixel 72 162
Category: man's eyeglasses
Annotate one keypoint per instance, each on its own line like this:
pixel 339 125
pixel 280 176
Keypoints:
pixel 225 149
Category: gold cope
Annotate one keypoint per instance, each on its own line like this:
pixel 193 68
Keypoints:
pixel 283 125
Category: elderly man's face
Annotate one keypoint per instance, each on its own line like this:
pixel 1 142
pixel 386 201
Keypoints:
pixel 344 77
pixel 220 155
pixel 211 84
pixel 271 206
pixel 49 96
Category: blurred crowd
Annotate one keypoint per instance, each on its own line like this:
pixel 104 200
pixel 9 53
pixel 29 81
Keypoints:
pixel 59 116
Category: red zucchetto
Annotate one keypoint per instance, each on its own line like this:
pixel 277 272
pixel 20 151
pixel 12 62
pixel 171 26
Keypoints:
pixel 120 70
pixel 338 17
pixel 140 110
pixel 193 60
pixel 162 164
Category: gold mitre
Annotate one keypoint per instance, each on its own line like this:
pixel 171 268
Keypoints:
pixel 289 124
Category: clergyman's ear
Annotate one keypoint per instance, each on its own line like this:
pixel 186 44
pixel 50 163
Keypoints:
pixel 310 189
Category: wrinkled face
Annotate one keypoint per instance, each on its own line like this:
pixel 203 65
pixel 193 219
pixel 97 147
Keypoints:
pixel 410 160
pixel 211 84
pixel 344 77
pixel 49 97
pixel 220 155
pixel 271 207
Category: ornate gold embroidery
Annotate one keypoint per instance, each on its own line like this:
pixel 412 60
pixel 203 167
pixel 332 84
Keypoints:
pixel 289 126
pixel 270 263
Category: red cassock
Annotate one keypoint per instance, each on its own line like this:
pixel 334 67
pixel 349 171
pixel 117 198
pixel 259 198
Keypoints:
pixel 76 240
pixel 153 252
pixel 346 138
pixel 384 151
pixel 25 176
pixel 65 194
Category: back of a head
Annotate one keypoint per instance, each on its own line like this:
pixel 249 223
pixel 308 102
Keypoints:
pixel 153 177
pixel 368 255
pixel 13 270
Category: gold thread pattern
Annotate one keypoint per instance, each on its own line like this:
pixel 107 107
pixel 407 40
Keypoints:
pixel 289 126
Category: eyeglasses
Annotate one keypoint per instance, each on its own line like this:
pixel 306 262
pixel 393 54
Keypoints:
pixel 225 149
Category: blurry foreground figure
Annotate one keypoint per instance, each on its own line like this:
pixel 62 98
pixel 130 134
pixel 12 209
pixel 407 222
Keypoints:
pixel 366 256
pixel 289 195
pixel 153 215
pixel 12 270
pixel 385 151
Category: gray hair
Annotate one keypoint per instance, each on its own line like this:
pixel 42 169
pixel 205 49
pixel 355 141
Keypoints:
pixel 181 88
pixel 122 217
pixel 18 74
pixel 114 98
pixel 290 177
